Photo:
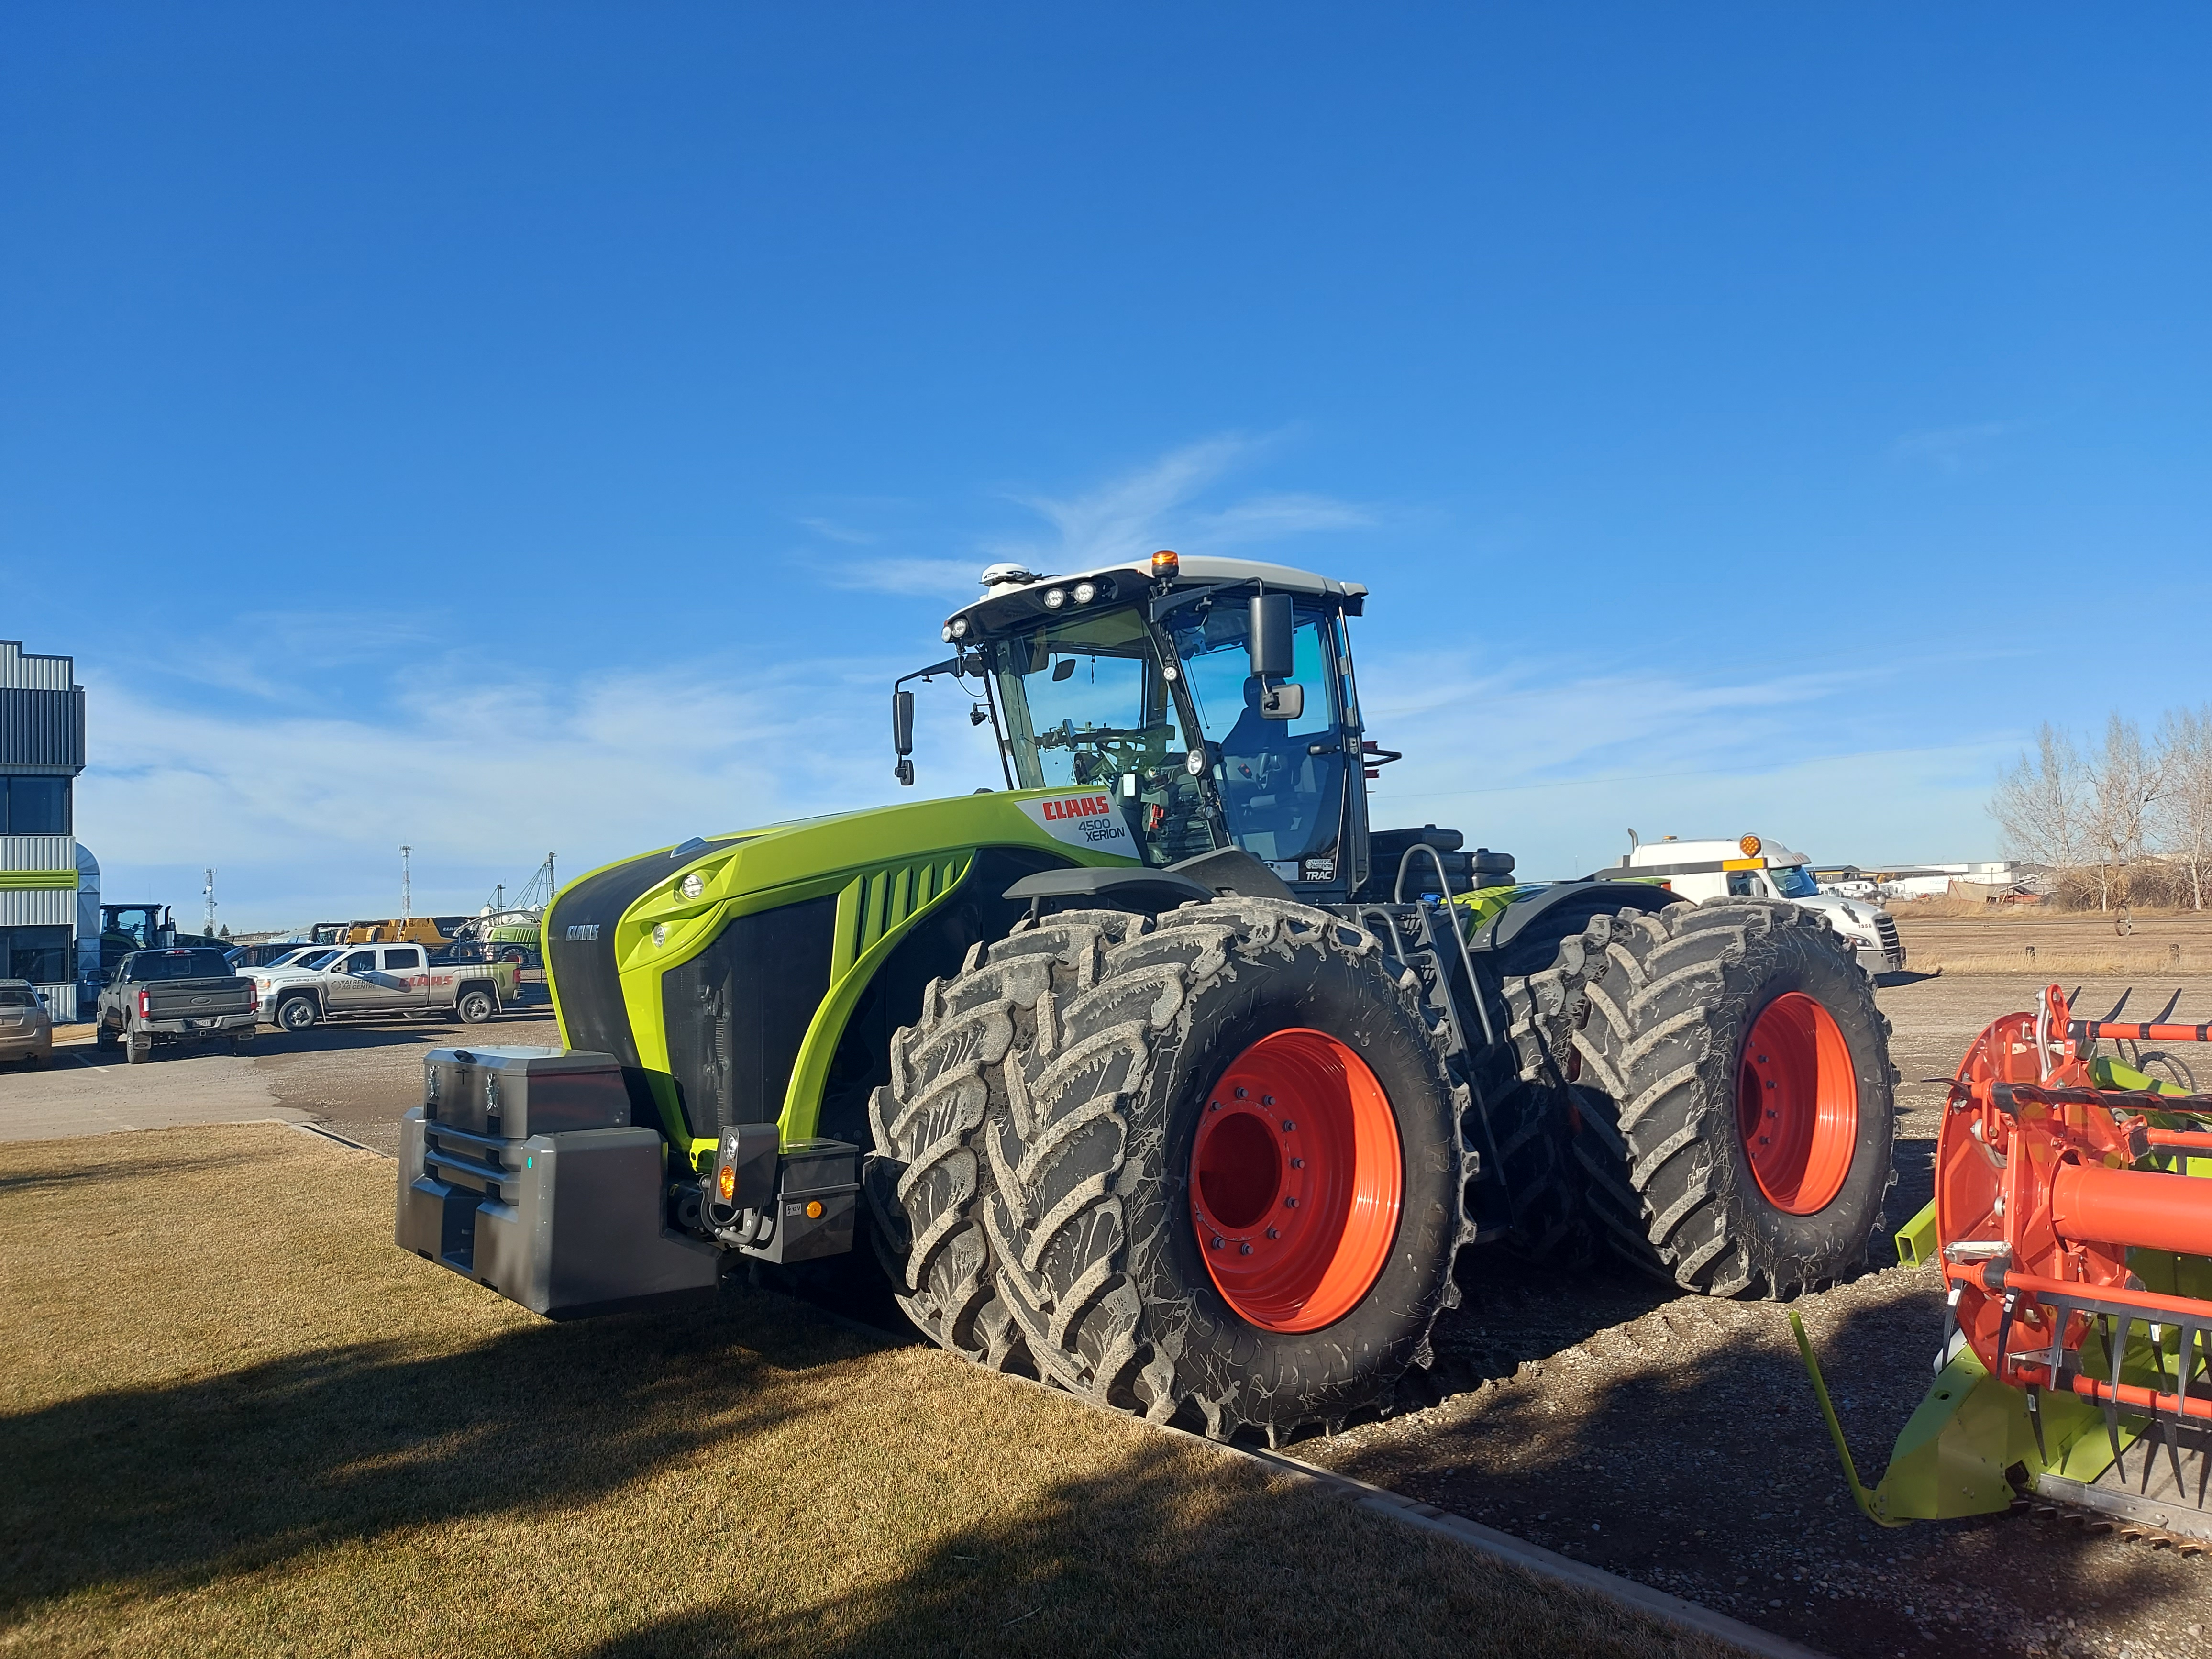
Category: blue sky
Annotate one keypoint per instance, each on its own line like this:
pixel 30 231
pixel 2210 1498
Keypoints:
pixel 503 428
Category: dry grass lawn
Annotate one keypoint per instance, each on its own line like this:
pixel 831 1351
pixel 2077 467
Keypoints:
pixel 235 1420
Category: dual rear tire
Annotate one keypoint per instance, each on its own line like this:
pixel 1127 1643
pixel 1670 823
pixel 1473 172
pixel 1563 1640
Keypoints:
pixel 1210 1164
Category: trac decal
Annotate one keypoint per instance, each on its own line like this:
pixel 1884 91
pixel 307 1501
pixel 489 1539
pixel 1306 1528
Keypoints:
pixel 583 933
pixel 1090 821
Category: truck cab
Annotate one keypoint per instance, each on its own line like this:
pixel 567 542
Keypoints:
pixel 1754 866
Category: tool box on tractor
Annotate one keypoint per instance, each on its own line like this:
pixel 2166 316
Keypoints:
pixel 1160 1073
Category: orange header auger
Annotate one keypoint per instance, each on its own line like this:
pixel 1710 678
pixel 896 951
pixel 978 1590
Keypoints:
pixel 2076 1252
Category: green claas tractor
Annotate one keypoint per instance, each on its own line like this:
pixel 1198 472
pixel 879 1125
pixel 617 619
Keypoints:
pixel 1160 1073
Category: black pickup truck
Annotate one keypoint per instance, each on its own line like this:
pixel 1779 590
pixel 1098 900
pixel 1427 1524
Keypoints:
pixel 184 995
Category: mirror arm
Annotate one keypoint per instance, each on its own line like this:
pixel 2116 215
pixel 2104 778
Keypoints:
pixel 950 665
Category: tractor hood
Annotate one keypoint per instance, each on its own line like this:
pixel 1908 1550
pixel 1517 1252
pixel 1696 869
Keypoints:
pixel 720 972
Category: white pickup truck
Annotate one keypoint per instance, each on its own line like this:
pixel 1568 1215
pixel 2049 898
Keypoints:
pixel 342 982
pixel 1754 867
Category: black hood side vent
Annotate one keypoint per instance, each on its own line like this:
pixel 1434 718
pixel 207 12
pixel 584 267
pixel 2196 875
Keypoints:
pixel 580 958
pixel 736 1013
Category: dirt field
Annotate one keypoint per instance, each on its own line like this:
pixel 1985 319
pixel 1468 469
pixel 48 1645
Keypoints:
pixel 235 1420
pixel 1997 939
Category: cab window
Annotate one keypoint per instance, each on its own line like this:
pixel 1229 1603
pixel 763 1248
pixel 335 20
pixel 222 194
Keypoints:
pixel 360 962
pixel 407 958
pixel 1744 884
pixel 1284 801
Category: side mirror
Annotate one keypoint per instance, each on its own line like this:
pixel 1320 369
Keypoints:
pixel 1269 640
pixel 1282 702
pixel 902 723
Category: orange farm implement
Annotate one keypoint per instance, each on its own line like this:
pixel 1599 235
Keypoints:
pixel 2072 1223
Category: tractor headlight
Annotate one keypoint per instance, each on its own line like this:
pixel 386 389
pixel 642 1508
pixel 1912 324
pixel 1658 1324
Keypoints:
pixel 660 933
pixel 959 627
pixel 946 633
pixel 1194 762
pixel 1054 597
pixel 1085 592
pixel 692 886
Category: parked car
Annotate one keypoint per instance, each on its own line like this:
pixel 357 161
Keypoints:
pixel 275 954
pixel 26 1033
pixel 181 996
pixel 380 980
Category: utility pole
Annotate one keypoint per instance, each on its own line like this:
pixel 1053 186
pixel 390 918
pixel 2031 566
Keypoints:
pixel 406 887
pixel 207 892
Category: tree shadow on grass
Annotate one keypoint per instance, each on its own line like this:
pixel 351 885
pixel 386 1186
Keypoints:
pixel 165 1487
pixel 1172 1552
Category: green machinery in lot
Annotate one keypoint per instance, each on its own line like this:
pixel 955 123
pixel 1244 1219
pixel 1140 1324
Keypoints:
pixel 1159 1074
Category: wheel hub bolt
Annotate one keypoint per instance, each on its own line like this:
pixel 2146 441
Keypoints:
pixel 1242 1093
pixel 1298 1164
pixel 1274 1232
pixel 1292 1202
pixel 1289 1127
pixel 1266 1100
pixel 1245 1249
pixel 1217 1243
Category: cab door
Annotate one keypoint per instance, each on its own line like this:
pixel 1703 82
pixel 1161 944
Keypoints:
pixel 405 977
pixel 352 985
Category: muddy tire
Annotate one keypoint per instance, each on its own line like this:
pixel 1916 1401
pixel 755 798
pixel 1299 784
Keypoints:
pixel 926 1182
pixel 137 1050
pixel 1737 1101
pixel 1535 1126
pixel 476 1006
pixel 297 1013
pixel 1144 1209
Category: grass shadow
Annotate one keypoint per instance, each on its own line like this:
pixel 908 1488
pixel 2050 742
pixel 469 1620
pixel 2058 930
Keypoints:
pixel 165 1487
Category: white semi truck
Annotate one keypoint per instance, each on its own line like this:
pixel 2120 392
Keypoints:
pixel 1752 866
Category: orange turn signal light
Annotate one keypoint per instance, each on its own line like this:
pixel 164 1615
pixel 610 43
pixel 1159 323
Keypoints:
pixel 814 1211
pixel 726 1181
pixel 1165 563
pixel 1750 845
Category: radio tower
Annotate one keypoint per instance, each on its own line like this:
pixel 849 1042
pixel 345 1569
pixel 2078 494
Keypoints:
pixel 406 888
pixel 207 916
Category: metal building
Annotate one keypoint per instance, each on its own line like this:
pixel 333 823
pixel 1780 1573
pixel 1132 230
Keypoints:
pixel 41 752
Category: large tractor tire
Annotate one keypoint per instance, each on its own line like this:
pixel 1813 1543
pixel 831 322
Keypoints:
pixel 1227 1174
pixel 1736 1097
pixel 926 1180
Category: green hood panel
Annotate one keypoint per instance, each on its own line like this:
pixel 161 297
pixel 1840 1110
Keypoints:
pixel 886 869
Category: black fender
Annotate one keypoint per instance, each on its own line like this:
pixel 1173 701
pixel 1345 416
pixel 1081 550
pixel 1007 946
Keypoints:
pixel 1525 937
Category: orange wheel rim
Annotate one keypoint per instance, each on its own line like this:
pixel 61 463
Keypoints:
pixel 1797 1105
pixel 1296 1179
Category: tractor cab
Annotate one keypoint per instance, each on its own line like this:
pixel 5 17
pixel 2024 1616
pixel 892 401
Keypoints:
pixel 1210 703
pixel 126 927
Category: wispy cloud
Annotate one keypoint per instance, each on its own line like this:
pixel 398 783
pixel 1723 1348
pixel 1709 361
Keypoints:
pixel 488 773
pixel 1952 449
pixel 1160 505
pixel 831 530
pixel 920 578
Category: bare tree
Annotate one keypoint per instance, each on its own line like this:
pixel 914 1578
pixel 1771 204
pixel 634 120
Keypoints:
pixel 2183 813
pixel 2042 803
pixel 2123 783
